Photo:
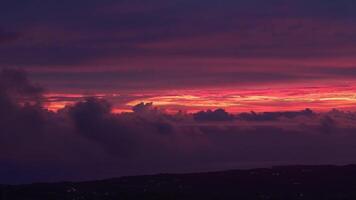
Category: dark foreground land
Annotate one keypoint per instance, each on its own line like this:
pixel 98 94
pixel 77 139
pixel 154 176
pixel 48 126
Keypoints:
pixel 284 183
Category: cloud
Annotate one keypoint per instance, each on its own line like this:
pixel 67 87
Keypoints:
pixel 216 115
pixel 16 83
pixel 117 30
pixel 272 116
pixel 93 120
pixel 87 141
pixel 159 44
pixel 144 108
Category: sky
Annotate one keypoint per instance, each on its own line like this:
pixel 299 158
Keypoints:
pixel 95 89
pixel 186 55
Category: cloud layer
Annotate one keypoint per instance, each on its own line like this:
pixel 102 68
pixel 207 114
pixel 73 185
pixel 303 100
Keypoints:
pixel 125 45
pixel 87 141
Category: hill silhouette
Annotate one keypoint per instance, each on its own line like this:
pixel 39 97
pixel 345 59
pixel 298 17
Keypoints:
pixel 286 182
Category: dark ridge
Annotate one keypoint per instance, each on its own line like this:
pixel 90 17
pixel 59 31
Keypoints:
pixel 282 182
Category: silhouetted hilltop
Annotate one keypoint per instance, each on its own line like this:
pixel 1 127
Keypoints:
pixel 290 182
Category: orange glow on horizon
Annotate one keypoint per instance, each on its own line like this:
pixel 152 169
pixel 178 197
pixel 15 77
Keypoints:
pixel 233 100
pixel 316 98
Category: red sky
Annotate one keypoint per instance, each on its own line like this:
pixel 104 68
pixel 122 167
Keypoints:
pixel 189 55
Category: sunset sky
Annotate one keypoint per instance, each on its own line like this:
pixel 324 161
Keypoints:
pixel 234 84
pixel 186 54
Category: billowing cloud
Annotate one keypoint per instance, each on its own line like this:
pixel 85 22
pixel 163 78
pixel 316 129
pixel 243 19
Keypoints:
pixel 216 115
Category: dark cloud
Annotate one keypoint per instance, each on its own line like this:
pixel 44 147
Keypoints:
pixel 106 29
pixel 87 141
pixel 216 115
pixel 154 79
pixel 343 72
pixel 144 108
pixel 16 89
pixel 101 36
pixel 16 83
pixel 272 116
